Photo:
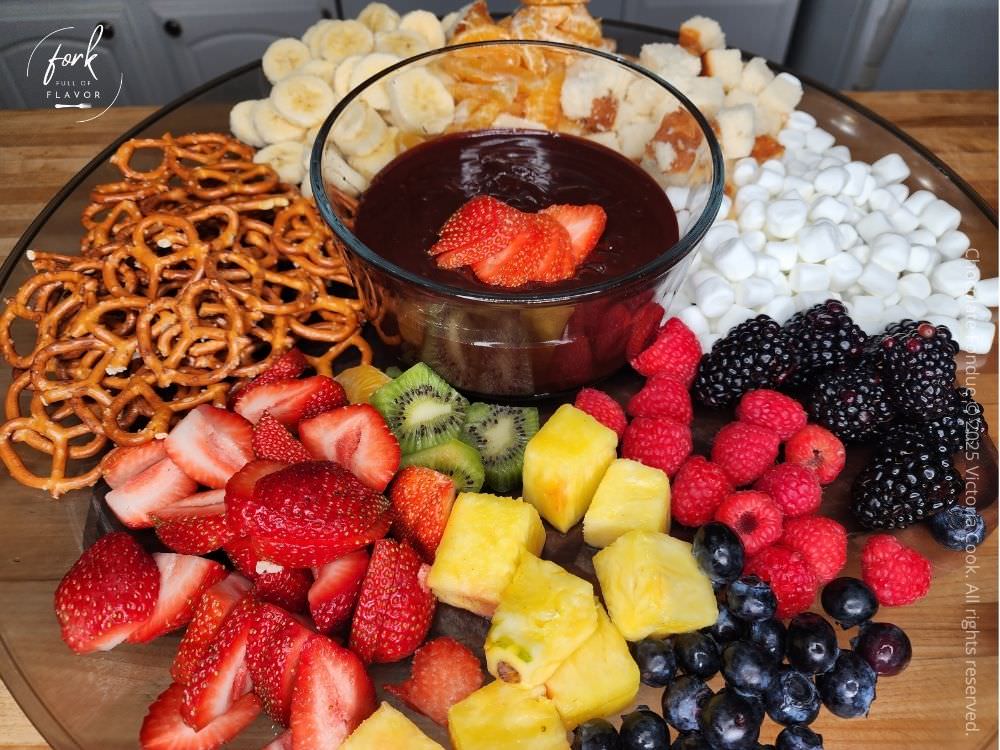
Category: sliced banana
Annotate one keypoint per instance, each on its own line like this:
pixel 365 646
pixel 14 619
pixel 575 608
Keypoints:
pixel 319 68
pixel 303 99
pixel 312 33
pixel 342 75
pixel 241 123
pixel 364 69
pixel 371 164
pixel 340 174
pixel 271 126
pixel 282 57
pixel 401 42
pixel 306 187
pixel 359 129
pixel 285 158
pixel 420 103
pixel 379 17
pixel 426 24
pixel 340 39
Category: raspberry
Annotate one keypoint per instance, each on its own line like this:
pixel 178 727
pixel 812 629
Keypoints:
pixel 793 487
pixel 818 449
pixel 675 351
pixel 662 396
pixel 753 516
pixel 791 579
pixel 773 410
pixel 897 574
pixel 697 491
pixel 603 408
pixel 660 443
pixel 645 325
pixel 745 451
pixel 821 541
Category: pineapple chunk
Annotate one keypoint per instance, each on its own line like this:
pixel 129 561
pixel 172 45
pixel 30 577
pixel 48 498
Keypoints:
pixel 388 729
pixel 506 716
pixel 480 549
pixel 630 496
pixel 563 464
pixel 544 615
pixel 652 585
pixel 599 679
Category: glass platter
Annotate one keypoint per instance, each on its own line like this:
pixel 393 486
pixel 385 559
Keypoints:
pixel 97 702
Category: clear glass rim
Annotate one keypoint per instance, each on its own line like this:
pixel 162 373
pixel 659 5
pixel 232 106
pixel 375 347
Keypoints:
pixel 667 259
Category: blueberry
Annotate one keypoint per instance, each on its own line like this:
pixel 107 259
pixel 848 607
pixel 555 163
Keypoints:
pixel 958 527
pixel 770 636
pixel 697 654
pixel 848 689
pixel 792 698
pixel 644 730
pixel 811 645
pixel 798 738
pixel 690 741
pixel 656 661
pixel 730 722
pixel 596 734
pixel 719 552
pixel 683 701
pixel 726 628
pixel 750 598
pixel 884 646
pixel 849 601
pixel 747 667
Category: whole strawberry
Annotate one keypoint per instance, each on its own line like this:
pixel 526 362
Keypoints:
pixel 674 352
pixel 603 408
pixel 662 396
pixel 821 541
pixel 745 451
pixel 753 516
pixel 773 410
pixel 794 488
pixel 897 574
pixel 660 443
pixel 792 580
pixel 697 491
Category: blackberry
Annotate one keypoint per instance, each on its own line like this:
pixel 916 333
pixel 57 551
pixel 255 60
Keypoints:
pixel 909 479
pixel 960 426
pixel 757 353
pixel 917 363
pixel 823 337
pixel 851 402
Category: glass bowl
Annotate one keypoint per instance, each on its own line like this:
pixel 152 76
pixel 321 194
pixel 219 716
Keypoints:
pixel 539 341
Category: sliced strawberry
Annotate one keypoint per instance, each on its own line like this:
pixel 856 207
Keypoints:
pixel 195 525
pixel 555 259
pixel 288 588
pixel 288 366
pixel 273 441
pixel 481 227
pixel 164 729
pixel 513 265
pixel 273 669
pixel 107 594
pixel 289 400
pixel 329 396
pixel 332 695
pixel 207 503
pixel 125 462
pixel 443 673
pixel 585 225
pixel 150 491
pixel 183 580
pixel 239 491
pixel 357 438
pixel 209 614
pixel 395 606
pixel 336 589
pixel 282 742
pixel 211 444
pixel 421 503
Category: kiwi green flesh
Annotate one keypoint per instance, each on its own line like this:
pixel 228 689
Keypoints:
pixel 421 409
pixel 458 460
pixel 500 434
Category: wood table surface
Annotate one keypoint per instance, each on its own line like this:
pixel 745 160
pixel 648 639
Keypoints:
pixel 41 150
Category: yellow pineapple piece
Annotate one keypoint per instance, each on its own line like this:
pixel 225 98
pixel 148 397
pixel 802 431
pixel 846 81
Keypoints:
pixel 480 550
pixel 563 464
pixel 599 679
pixel 653 586
pixel 361 382
pixel 630 496
pixel 544 615
pixel 388 729
pixel 508 717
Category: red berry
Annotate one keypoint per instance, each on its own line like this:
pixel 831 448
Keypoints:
pixel 773 410
pixel 603 408
pixel 662 396
pixel 661 443
pixel 818 449
pixel 753 516
pixel 675 351
pixel 745 451
pixel 897 574
pixel 697 491
pixel 821 541
pixel 792 581
pixel 793 487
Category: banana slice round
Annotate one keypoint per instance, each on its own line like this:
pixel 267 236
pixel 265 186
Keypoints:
pixel 449 22
pixel 401 42
pixel 359 129
pixel 340 39
pixel 282 57
pixel 420 103
pixel 303 99
pixel 241 123
pixel 311 34
pixel 319 68
pixel 271 126
pixel 364 69
pixel 340 174
pixel 426 24
pixel 379 17
pixel 285 158
pixel 342 75
pixel 370 164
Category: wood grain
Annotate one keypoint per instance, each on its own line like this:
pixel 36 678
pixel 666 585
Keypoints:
pixel 41 150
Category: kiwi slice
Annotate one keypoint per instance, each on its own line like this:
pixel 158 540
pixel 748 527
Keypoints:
pixel 458 460
pixel 422 410
pixel 500 433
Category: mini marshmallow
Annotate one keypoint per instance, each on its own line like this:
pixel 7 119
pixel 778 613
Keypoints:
pixel 953 244
pixel 781 308
pixel 840 153
pixel 725 206
pixel 986 291
pixel 844 271
pixel 724 64
pixel 694 319
pixel 756 75
pixel 681 300
pixel 826 162
pixel 786 253
pixel 903 220
pixel 940 217
pixel 775 165
pixel 702 275
pixel 857 171
pixel 714 296
pixel 955 277
pixel 919 200
pixel 809 158
pixel 866 306
pixel 785 217
pixel 875 279
pixel 921 236
pixel 942 304
pixel 752 216
pixel 767 267
pixel 848 235
pixel 678 195
pixel 799 120
pixel 809 277
pixel 802 188
pixel 919 259
pixel 893 313
pixel 735 260
pixel 862 252
pixel 755 240
pixel 969 308
pixel 807 299
pixel 944 320
pixel 684 220
pixel 899 191
pixel 772 181
pixel 914 285
pixel 892 299
pixel 781 285
pixel 890 168
pixel 871 326
pixel 891 251
pixel 792 139
pixel 819 140
pixel 749 193
pixel 915 307
pixel 872 225
pixel 818 241
pixel 744 171
pixel 719 233
pixel 828 207
pixel 975 336
pixel 754 292
pixel 732 318
pixel 866 191
pixel 882 200
pixel 830 181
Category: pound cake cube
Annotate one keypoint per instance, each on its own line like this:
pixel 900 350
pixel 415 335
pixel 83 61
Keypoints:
pixel 630 496
pixel 724 64
pixel 388 729
pixel 502 715
pixel 737 130
pixel 782 94
pixel 699 34
pixel 756 75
